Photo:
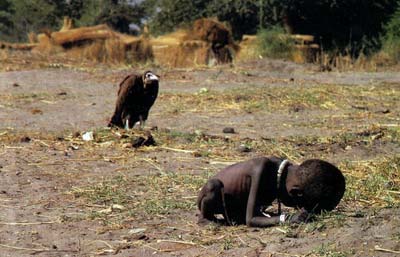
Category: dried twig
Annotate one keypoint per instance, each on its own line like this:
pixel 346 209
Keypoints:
pixel 241 240
pixel 285 254
pixel 223 162
pixel 25 249
pixel 149 161
pixel 281 230
pixel 41 142
pixel 176 150
pixel 7 206
pixel 380 249
pixel 180 242
pixel 27 223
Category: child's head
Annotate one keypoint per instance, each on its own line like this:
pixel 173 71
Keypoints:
pixel 319 186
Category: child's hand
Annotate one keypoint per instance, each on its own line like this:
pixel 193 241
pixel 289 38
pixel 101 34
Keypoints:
pixel 300 217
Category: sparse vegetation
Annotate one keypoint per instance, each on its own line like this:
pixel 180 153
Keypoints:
pixel 152 195
pixel 117 199
pixel 391 37
pixel 275 43
pixel 331 251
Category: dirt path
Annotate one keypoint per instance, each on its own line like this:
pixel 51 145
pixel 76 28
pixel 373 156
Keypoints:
pixel 61 196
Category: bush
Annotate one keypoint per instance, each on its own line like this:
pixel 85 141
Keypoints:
pixel 341 24
pixel 391 38
pixel 275 43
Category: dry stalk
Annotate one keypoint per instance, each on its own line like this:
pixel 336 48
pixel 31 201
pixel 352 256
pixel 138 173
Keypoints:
pixel 380 249
pixel 176 150
pixel 28 223
pixel 180 242
pixel 149 161
pixel 26 249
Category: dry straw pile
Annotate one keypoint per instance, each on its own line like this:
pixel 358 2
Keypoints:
pixel 98 43
pixel 207 42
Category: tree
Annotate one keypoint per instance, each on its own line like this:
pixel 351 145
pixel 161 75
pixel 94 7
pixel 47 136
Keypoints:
pixel 167 15
pixel 32 15
pixel 119 14
pixel 342 24
pixel 242 15
pixel 391 36
pixel 6 24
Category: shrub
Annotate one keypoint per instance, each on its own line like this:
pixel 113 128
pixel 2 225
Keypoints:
pixel 274 43
pixel 391 38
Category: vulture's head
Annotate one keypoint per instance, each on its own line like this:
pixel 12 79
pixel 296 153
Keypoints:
pixel 149 78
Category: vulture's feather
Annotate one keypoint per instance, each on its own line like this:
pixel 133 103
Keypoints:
pixel 136 94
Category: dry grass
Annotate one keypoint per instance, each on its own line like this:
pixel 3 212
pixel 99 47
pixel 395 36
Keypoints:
pixel 162 193
pixel 326 97
pixel 345 62
pixel 248 49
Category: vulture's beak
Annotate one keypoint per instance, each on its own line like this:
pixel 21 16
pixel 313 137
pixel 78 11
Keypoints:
pixel 150 77
pixel 153 77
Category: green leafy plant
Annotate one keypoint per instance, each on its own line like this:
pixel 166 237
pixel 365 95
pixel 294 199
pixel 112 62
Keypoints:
pixel 275 43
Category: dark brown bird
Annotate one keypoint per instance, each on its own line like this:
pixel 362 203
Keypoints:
pixel 136 94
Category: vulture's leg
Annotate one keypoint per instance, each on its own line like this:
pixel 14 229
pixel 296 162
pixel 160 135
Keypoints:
pixel 142 122
pixel 127 122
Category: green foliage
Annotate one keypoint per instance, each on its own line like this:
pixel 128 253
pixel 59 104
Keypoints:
pixel 242 15
pixel 6 24
pixel 119 14
pixel 274 43
pixel 351 26
pixel 32 15
pixel 19 17
pixel 90 10
pixel 340 24
pixel 331 251
pixel 378 185
pixel 391 37
pixel 167 15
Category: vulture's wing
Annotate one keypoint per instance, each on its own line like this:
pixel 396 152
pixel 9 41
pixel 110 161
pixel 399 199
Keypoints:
pixel 129 89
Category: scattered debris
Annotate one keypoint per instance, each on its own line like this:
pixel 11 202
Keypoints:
pixel 36 111
pixel 364 108
pixel 199 133
pixel 141 141
pixel 73 147
pixel 228 130
pixel 127 145
pixel 112 208
pixel 25 139
pixel 203 90
pixel 297 108
pixel 88 136
pixel 384 111
pixel 243 149
pixel 136 230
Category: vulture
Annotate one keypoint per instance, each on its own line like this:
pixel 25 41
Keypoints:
pixel 136 94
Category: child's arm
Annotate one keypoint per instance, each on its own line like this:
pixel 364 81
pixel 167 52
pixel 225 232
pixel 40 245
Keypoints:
pixel 251 219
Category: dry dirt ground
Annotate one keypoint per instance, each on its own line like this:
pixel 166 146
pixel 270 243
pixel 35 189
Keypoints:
pixel 62 196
